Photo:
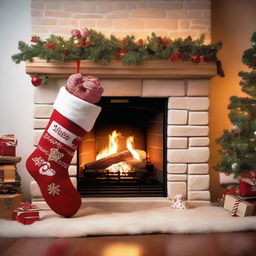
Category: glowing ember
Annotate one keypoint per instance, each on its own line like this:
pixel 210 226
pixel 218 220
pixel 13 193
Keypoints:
pixel 113 148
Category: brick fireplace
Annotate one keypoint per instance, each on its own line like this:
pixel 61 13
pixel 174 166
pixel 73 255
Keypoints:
pixel 185 87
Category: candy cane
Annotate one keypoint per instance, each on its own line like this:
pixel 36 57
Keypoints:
pixel 235 207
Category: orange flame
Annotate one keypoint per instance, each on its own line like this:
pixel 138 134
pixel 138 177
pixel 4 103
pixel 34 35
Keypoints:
pixel 130 147
pixel 112 148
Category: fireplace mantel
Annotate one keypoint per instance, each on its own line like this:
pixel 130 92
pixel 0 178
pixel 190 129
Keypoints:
pixel 149 69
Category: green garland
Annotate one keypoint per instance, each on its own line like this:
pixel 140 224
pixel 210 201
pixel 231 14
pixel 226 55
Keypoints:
pixel 97 48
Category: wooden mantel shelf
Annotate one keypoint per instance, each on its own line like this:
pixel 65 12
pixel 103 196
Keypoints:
pixel 149 69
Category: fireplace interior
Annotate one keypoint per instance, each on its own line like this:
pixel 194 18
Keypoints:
pixel 125 153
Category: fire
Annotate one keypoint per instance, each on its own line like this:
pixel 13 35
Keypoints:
pixel 112 148
pixel 130 147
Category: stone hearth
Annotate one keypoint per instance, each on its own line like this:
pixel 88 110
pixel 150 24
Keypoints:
pixel 185 84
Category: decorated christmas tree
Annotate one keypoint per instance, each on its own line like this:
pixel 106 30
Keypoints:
pixel 239 144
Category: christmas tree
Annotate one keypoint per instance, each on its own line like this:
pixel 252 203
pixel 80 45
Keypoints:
pixel 239 144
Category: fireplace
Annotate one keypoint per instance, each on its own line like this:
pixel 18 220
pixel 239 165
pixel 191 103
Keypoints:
pixel 125 153
pixel 172 95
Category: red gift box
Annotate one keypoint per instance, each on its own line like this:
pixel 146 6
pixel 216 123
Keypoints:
pixel 247 184
pixel 26 214
pixel 8 145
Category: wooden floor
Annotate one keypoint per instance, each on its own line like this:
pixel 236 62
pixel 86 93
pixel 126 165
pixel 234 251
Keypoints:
pixel 237 244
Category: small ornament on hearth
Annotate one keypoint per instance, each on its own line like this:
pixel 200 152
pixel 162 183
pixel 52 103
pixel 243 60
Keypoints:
pixel 26 214
pixel 179 202
pixel 53 189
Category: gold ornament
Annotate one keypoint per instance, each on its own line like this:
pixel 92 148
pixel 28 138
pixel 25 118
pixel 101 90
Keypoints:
pixel 78 42
pixel 53 189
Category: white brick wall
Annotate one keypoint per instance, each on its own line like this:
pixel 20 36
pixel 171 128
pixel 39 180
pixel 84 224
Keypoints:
pixel 166 18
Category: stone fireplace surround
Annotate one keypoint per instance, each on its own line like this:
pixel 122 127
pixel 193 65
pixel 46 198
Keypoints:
pixel 185 84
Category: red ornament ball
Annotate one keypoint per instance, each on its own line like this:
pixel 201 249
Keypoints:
pixel 175 57
pixel 196 58
pixel 140 42
pixel 87 44
pixel 36 81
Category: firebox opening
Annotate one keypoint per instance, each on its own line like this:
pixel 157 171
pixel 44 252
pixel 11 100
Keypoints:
pixel 125 153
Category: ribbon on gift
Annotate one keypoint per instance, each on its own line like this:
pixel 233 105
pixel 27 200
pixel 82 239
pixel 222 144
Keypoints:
pixel 235 206
pixel 8 139
pixel 26 206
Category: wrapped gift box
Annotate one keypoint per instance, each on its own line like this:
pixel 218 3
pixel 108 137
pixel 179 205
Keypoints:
pixel 244 208
pixel 8 203
pixel 26 214
pixel 248 184
pixel 7 173
pixel 8 145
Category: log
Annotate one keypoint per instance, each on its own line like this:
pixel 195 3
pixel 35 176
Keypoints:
pixel 109 160
pixel 137 164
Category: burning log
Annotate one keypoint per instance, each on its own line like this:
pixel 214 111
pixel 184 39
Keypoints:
pixel 109 160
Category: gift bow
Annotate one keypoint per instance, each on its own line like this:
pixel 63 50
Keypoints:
pixel 250 181
pixel 8 139
pixel 27 206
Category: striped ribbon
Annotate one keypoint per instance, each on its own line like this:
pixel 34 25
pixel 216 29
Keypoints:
pixel 235 207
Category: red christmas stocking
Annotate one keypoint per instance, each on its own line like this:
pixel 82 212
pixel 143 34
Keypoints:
pixel 49 163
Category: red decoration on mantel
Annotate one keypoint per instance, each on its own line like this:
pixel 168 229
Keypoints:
pixel 121 53
pixel 196 58
pixel 36 81
pixel 175 57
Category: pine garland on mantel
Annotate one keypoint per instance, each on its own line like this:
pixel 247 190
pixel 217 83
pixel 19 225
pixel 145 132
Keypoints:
pixel 91 45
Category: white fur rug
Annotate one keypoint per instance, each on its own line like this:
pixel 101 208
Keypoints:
pixel 129 219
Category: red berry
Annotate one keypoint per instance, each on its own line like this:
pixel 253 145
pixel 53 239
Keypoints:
pixel 50 46
pixel 165 41
pixel 36 81
pixel 34 39
pixel 121 52
pixel 87 44
pixel 175 57
pixel 196 58
pixel 140 42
